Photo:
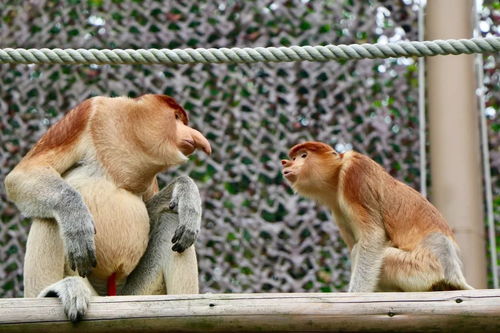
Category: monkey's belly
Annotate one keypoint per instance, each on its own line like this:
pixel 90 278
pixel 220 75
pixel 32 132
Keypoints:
pixel 122 227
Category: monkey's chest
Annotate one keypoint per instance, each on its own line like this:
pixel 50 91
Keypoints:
pixel 347 230
pixel 122 226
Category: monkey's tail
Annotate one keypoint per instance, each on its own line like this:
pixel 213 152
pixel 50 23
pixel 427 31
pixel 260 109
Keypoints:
pixel 112 284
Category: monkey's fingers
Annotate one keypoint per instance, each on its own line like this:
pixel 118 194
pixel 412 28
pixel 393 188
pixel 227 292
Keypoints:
pixel 187 239
pixel 89 261
pixel 74 296
pixel 82 258
pixel 178 233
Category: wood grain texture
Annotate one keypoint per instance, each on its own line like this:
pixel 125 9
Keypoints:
pixel 471 310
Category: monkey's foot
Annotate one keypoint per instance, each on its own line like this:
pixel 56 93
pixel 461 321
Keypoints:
pixel 74 295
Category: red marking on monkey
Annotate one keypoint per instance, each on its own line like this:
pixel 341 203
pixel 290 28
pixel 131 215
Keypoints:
pixel 65 131
pixel 112 284
pixel 174 105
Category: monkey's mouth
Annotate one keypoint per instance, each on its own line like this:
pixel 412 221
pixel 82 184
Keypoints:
pixel 289 175
pixel 187 146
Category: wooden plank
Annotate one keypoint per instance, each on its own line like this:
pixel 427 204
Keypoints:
pixel 468 310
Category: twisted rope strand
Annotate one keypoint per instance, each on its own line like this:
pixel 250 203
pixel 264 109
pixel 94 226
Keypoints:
pixel 249 55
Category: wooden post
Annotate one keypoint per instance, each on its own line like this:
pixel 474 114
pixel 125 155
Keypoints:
pixel 449 311
pixel 454 135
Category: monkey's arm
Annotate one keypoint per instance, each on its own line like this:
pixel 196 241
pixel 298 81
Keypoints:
pixel 367 259
pixel 39 191
pixel 175 215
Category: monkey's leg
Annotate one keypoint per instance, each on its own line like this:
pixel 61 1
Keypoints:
pixel 170 232
pixel 415 270
pixel 147 276
pixel 44 259
pixel 181 269
pixel 446 250
pixel 366 260
pixel 160 265
pixel 432 265
pixel 44 271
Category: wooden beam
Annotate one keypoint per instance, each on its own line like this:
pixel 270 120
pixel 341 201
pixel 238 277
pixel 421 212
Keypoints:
pixel 457 311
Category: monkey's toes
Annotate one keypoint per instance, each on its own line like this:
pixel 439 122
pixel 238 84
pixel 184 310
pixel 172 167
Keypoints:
pixel 76 307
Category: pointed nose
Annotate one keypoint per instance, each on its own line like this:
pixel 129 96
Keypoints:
pixel 201 142
pixel 284 162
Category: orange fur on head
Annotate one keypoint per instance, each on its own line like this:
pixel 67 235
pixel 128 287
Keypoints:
pixel 171 103
pixel 316 147
pixel 320 172
pixel 133 139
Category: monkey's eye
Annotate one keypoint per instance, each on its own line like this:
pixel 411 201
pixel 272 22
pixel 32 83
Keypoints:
pixel 176 116
pixel 293 159
pixel 303 155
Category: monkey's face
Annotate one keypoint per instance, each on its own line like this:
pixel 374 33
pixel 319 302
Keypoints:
pixel 310 167
pixel 302 172
pixel 164 130
pixel 292 169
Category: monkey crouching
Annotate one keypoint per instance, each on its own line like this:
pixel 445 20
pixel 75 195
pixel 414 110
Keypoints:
pixel 398 240
pixel 100 224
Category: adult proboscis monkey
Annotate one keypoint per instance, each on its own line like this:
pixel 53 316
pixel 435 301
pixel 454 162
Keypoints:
pixel 100 224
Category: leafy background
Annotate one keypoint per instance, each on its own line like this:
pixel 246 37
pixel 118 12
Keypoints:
pixel 257 235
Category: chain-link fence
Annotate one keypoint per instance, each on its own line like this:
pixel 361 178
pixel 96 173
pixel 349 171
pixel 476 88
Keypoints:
pixel 257 236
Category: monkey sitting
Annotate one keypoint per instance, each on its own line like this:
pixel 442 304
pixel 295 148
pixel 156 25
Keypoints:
pixel 101 226
pixel 398 240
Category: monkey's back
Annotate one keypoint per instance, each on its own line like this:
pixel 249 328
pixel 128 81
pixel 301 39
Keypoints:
pixel 409 217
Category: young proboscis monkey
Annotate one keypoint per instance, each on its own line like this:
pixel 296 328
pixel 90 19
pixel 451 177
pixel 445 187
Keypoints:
pixel 398 240
pixel 100 224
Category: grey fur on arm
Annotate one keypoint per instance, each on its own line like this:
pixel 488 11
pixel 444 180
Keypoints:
pixel 175 217
pixel 50 196
pixel 367 257
pixel 182 197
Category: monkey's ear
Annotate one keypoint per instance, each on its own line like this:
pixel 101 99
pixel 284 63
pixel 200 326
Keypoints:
pixel 341 155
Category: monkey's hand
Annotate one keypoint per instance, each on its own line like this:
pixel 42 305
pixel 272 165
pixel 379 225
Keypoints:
pixel 77 231
pixel 181 197
pixel 74 295
pixel 186 202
